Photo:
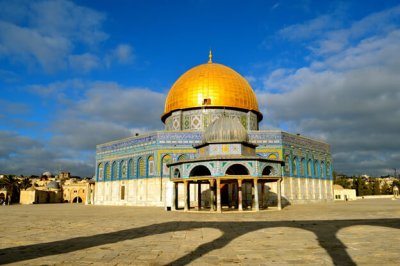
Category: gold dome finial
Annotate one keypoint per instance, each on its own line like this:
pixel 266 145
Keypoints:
pixel 210 57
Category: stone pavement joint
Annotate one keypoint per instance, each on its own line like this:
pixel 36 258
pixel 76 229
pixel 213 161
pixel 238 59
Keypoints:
pixel 345 233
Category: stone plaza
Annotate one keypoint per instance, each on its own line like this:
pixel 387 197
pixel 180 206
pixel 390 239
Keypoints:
pixel 362 232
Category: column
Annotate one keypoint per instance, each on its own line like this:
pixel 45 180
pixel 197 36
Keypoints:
pixel 175 197
pixel 278 188
pixel 230 194
pixel 198 195
pixel 212 196
pixel 240 205
pixel 255 202
pixel 186 195
pixel 219 209
pixel 262 194
pixel 92 193
pixel 87 194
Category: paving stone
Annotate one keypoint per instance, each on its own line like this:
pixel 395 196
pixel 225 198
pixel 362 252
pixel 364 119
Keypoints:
pixel 364 232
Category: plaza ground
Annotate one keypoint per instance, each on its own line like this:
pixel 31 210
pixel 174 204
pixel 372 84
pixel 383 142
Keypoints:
pixel 362 232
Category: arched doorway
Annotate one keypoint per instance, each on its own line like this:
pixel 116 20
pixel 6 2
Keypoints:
pixel 177 173
pixel 2 198
pixel 267 170
pixel 200 170
pixel 229 191
pixel 77 200
pixel 237 169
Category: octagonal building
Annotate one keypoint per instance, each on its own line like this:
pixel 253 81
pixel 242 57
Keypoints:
pixel 211 154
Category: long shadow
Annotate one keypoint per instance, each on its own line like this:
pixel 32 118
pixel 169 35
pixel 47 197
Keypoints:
pixel 324 230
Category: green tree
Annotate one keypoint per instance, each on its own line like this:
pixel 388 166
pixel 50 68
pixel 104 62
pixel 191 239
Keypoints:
pixel 10 183
pixel 385 190
pixel 343 181
pixel 395 183
pixel 376 190
pixel 361 187
pixel 25 183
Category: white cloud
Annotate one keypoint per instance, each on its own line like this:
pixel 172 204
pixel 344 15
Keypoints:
pixel 28 45
pixel 24 155
pixel 122 54
pixel 84 62
pixel 56 35
pixel 104 111
pixel 309 29
pixel 349 98
pixel 326 35
pixel 47 34
pixel 59 17
pixel 84 114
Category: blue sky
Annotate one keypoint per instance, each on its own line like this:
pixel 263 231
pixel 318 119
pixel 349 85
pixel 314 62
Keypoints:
pixel 74 74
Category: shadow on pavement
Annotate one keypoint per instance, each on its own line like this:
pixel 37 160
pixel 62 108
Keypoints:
pixel 325 232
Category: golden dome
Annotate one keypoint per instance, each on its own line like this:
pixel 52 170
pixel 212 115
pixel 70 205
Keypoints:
pixel 211 85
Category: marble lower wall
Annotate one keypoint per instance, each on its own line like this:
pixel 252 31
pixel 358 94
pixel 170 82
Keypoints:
pixel 152 192
pixel 306 190
pixel 136 192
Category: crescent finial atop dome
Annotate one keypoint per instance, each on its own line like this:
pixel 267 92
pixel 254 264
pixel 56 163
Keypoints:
pixel 210 57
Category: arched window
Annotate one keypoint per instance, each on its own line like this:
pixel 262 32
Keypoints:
pixel 328 169
pixel 200 170
pixel 142 167
pixel 268 170
pixel 287 165
pixel 182 157
pixel 294 166
pixel 316 169
pixel 123 167
pixel 237 169
pixel 302 167
pixel 131 168
pixel 309 167
pixel 114 170
pixel 150 166
pixel 177 173
pixel 322 167
pixel 165 169
pixel 107 170
pixel 100 173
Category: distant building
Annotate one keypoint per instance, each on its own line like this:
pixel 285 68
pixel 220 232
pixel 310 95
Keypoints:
pixel 58 190
pixel 81 191
pixel 64 175
pixel 343 194
pixel 3 195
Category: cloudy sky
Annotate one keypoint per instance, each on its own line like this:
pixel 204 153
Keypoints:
pixel 74 74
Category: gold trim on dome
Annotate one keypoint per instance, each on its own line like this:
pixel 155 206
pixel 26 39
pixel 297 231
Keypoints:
pixel 211 85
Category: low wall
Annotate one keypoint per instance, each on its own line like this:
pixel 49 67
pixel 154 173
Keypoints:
pixel 376 197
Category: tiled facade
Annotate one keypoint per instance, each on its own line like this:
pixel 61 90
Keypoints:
pixel 134 171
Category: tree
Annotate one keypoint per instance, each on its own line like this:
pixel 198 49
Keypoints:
pixel 343 181
pixel 25 183
pixel 10 183
pixel 385 190
pixel 395 183
pixel 361 187
pixel 376 190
